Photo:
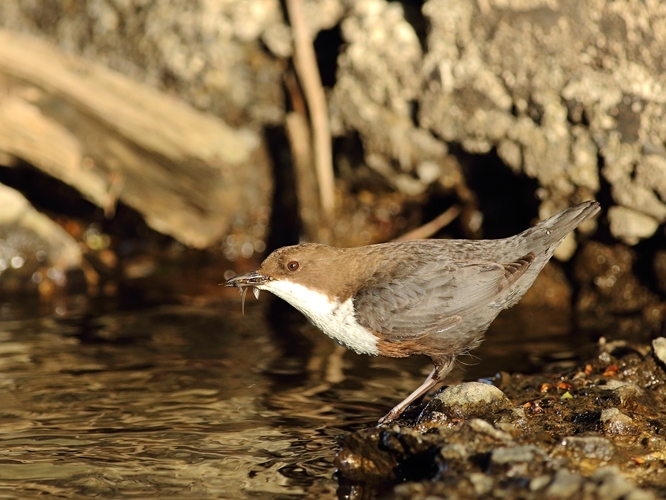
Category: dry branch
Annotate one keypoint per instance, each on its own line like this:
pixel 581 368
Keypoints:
pixel 305 62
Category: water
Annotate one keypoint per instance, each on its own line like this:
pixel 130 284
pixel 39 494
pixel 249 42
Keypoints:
pixel 198 401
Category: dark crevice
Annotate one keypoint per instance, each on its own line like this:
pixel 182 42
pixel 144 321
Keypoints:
pixel 415 111
pixel 506 200
pixel 646 252
pixel 57 199
pixel 46 193
pixel 285 229
pixel 353 170
pixel 605 198
pixel 285 224
pixel 327 48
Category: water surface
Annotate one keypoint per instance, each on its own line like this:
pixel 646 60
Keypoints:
pixel 198 401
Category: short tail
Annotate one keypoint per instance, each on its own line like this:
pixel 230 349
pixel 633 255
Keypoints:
pixel 553 230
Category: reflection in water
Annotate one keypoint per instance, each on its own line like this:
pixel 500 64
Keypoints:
pixel 201 402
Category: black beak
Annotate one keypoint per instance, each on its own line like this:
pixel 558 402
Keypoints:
pixel 253 278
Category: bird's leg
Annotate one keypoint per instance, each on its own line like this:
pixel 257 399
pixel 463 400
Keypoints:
pixel 428 384
pixel 441 370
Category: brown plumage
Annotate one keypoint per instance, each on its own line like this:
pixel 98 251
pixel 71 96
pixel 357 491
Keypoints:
pixel 430 297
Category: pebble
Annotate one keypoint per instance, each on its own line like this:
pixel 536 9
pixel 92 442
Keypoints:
pixel 587 447
pixel 659 346
pixel 564 485
pixel 469 400
pixel 616 422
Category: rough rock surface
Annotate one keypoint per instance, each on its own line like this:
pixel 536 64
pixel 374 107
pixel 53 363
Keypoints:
pixel 469 400
pixel 568 93
pixel 588 432
pixel 557 89
pixel 209 53
pixel 379 82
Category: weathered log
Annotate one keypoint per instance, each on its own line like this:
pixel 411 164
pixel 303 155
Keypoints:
pixel 113 139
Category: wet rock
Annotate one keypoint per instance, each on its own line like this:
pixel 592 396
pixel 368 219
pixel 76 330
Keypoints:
pixel 633 398
pixel 483 427
pixel 539 483
pixel 614 417
pixel 455 451
pixel 585 448
pixel 616 422
pixel 613 485
pixel 361 458
pixel 527 453
pixel 564 485
pixel 628 396
pixel 468 400
pixel 518 461
pixel 481 483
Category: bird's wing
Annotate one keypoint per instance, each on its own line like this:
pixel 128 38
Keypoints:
pixel 432 298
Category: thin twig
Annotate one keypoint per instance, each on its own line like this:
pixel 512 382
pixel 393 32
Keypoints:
pixel 305 62
pixel 299 134
pixel 430 228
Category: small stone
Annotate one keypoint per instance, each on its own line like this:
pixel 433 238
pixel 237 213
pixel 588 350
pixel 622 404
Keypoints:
pixel 455 452
pixel 482 484
pixel 630 397
pixel 659 346
pixel 564 485
pixel 589 447
pixel 527 453
pixel 539 482
pixel 469 400
pixel 612 384
pixel 483 427
pixel 640 495
pixel 616 422
pixel 517 461
pixel 408 490
pixel 613 484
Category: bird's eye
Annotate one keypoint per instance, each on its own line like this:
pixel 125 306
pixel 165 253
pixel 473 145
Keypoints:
pixel 293 266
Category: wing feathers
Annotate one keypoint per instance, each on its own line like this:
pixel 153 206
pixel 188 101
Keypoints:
pixel 420 300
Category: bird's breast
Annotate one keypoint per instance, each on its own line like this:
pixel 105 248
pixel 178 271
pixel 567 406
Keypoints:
pixel 336 319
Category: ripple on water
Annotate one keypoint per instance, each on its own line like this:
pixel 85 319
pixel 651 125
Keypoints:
pixel 186 402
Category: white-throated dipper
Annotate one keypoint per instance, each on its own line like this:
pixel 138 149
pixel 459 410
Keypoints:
pixel 430 297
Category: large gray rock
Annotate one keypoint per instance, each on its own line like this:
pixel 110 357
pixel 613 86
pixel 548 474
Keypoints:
pixel 554 87
pixel 559 90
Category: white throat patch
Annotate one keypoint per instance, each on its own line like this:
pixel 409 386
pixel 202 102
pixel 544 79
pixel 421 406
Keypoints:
pixel 333 318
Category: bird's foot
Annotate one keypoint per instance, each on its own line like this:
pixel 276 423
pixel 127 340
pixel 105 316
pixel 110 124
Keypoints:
pixel 394 414
pixel 399 409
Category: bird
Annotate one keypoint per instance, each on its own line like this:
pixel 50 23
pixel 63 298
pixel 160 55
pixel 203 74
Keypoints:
pixel 432 297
